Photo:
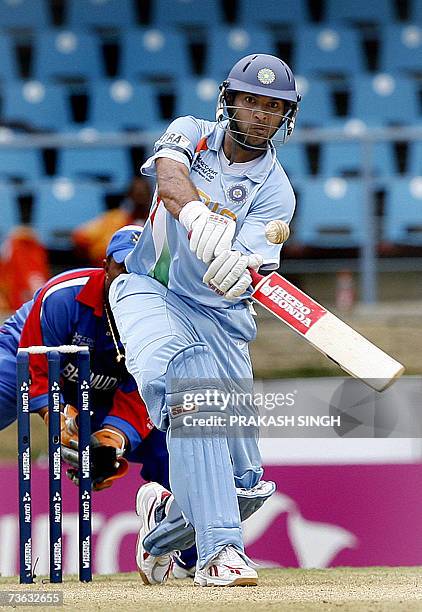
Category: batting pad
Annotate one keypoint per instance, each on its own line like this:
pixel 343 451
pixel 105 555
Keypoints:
pixel 174 533
pixel 201 473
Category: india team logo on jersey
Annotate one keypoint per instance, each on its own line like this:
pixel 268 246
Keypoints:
pixel 237 193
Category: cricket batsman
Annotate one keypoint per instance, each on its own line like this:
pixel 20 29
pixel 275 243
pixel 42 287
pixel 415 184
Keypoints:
pixel 183 313
pixel 72 308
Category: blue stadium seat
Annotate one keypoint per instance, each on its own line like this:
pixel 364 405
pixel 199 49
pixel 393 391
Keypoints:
pixel 329 50
pixel 345 159
pixel 414 159
pixel 66 54
pixel 271 12
pixel 123 105
pixel 417 11
pixel 106 13
pixel 375 11
pixel 60 206
pixel 20 164
pixel 24 14
pixel 292 157
pixel 111 164
pixel 330 212
pixel 9 211
pixel 8 66
pixel 186 13
pixel 316 107
pixel 42 105
pixel 401 48
pixel 383 99
pixel 227 45
pixel 197 97
pixel 403 212
pixel 154 54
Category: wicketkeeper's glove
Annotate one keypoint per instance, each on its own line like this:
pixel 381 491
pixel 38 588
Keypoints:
pixel 107 462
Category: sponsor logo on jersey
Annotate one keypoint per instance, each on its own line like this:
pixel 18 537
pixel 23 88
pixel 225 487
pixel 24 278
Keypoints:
pixel 201 168
pixel 80 340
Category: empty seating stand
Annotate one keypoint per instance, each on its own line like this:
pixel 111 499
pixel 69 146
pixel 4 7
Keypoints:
pixel 402 222
pixel 61 205
pixel 330 213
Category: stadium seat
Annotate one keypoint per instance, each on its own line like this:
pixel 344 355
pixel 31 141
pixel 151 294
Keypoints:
pixel 330 213
pixel 154 54
pixel 20 165
pixel 60 206
pixel 103 14
pixel 383 99
pixel 271 12
pixel 316 107
pixel 345 159
pixel 292 157
pixel 401 48
pixel 9 211
pixel 186 13
pixel 101 163
pixel 38 104
pixel 197 97
pixel 24 14
pixel 417 11
pixel 8 66
pixel 227 45
pixel 403 212
pixel 327 50
pixel 65 54
pixel 360 11
pixel 123 105
pixel 414 159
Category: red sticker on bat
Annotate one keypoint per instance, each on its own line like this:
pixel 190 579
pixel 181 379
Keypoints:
pixel 288 303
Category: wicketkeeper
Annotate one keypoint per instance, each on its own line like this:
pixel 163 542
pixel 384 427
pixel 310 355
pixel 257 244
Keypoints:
pixel 73 308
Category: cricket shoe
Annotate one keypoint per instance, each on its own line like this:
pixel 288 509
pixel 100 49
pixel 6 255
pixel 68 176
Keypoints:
pixel 228 568
pixel 180 571
pixel 150 505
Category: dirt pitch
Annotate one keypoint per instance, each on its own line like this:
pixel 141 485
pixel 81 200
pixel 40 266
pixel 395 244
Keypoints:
pixel 357 590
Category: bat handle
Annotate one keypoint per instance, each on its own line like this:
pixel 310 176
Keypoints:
pixel 256 277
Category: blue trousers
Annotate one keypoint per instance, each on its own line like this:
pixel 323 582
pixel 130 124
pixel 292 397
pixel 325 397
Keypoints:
pixel 165 334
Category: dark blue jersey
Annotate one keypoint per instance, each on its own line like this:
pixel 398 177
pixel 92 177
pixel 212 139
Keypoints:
pixel 69 309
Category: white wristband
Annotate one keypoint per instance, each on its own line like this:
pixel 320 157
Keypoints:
pixel 191 211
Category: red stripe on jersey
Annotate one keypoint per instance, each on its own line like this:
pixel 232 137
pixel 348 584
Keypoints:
pixel 202 145
pixel 32 334
pixel 131 408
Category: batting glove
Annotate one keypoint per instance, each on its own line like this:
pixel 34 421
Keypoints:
pixel 228 274
pixel 209 233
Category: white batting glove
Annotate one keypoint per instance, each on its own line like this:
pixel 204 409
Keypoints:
pixel 228 274
pixel 210 233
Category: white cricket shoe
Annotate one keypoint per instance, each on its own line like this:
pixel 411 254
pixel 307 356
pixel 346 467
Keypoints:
pixel 153 570
pixel 227 569
pixel 180 573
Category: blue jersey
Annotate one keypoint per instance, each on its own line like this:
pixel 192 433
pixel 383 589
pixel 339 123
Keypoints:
pixel 252 193
pixel 69 309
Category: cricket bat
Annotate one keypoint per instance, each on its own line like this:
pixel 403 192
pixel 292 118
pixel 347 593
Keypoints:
pixel 346 347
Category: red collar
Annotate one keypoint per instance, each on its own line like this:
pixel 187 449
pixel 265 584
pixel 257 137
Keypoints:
pixel 92 294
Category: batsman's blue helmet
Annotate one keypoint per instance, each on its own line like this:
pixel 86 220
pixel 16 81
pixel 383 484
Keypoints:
pixel 263 75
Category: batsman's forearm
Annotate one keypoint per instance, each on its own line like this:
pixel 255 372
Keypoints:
pixel 175 188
